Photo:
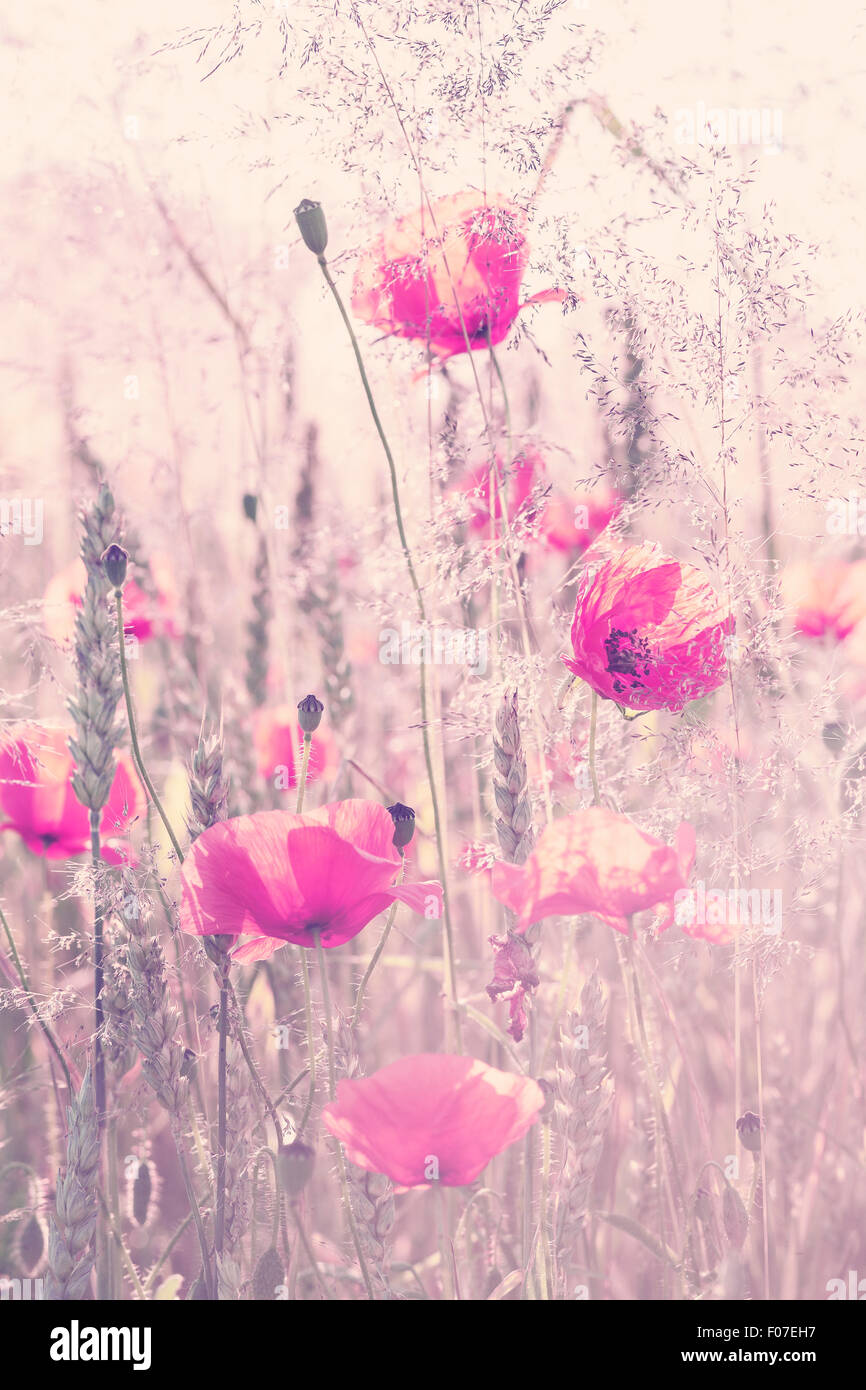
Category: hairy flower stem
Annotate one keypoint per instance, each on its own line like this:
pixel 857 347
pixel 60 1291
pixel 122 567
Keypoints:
pixel 219 1236
pixel 133 734
pixel 450 973
pixel 383 941
pixel 194 1208
pixel 302 777
pixel 55 1046
pixel 305 969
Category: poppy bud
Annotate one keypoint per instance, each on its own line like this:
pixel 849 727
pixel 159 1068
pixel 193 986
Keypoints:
pixel 734 1217
pixel 703 1205
pixel 749 1130
pixel 217 947
pixel 31 1243
pixel 549 1094
pixel 310 218
pixel 404 823
pixel 251 505
pixel 142 1189
pixel 310 712
pixel 114 563
pixel 188 1062
pixel 269 1276
pixel 296 1162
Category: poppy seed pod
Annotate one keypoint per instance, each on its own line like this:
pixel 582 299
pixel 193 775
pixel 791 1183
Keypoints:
pixel 310 711
pixel 734 1217
pixel 296 1163
pixel 749 1131
pixel 404 823
pixel 114 561
pixel 310 218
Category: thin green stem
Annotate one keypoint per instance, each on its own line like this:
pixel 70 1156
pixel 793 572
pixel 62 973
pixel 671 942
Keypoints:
pixel 221 1114
pixel 422 615
pixel 383 941
pixel 593 722
pixel 133 733
pixel 194 1208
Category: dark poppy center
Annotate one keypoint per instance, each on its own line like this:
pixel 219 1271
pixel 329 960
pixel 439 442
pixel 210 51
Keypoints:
pixel 627 654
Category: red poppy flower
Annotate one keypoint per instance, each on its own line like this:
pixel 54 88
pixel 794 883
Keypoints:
pixel 37 799
pixel 827 599
pixel 519 480
pixel 408 280
pixel 598 862
pixel 275 877
pixel 144 616
pixel 570 524
pixel 279 744
pixel 432 1118
pixel 648 631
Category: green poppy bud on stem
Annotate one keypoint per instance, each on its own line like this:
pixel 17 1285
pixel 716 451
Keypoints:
pixel 310 712
pixel 114 561
pixel 404 823
pixel 296 1162
pixel 749 1131
pixel 310 218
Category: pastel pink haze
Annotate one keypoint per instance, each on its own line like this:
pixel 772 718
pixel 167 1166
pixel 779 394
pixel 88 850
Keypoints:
pixel 597 861
pixel 37 800
pixel 412 278
pixel 826 599
pixel 455 1111
pixel 649 631
pixel 277 877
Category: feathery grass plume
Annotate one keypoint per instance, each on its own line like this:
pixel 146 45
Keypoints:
pixel 371 1194
pixel 73 1225
pixel 584 1093
pixel 208 788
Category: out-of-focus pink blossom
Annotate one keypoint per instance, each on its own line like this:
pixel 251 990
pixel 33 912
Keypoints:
pixel 598 862
pixel 279 743
pixel 274 877
pixel 412 277
pixel 551 519
pixel 826 599
pixel 432 1118
pixel 39 804
pixel 648 631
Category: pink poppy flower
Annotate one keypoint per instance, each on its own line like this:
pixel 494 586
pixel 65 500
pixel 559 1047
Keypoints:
pixel 648 631
pixel 279 744
pixel 432 1118
pixel 274 877
pixel 598 862
pixel 407 280
pixel 38 803
pixel 144 616
pixel 827 599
